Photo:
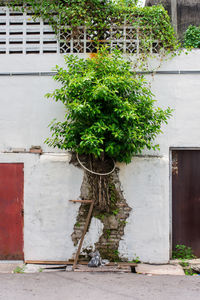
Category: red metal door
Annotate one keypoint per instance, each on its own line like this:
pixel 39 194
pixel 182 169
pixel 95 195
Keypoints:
pixel 186 199
pixel 11 211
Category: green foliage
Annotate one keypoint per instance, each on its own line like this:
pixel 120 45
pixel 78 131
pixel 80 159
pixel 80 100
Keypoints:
pixel 183 263
pixel 136 259
pixel 78 224
pixel 187 269
pixel 19 270
pixel 107 233
pixel 68 12
pixel 189 272
pixel 109 110
pixel 115 212
pixel 151 23
pixel 123 222
pixel 183 252
pixel 192 37
pixel 110 254
pixel 100 216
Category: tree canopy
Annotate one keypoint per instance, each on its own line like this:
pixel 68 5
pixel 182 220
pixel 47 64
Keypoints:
pixel 109 109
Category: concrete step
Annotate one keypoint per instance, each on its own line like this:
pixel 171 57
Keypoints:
pixel 159 269
pixel 10 267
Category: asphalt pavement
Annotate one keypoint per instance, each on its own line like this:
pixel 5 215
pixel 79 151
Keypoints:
pixel 96 286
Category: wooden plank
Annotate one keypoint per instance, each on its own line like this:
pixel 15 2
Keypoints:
pixel 115 268
pixel 123 264
pixel 84 232
pixel 47 262
pixel 71 262
pixel 81 201
pixel 174 15
pixel 103 270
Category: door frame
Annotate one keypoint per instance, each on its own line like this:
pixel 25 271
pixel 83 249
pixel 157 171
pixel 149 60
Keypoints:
pixel 170 190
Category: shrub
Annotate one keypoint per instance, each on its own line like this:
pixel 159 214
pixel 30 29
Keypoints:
pixel 182 252
pixel 192 37
pixel 110 110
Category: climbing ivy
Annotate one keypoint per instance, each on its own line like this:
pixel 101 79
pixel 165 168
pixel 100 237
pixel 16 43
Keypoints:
pixel 192 37
pixel 151 23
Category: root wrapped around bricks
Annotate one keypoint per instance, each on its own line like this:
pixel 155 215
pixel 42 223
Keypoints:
pixel 99 173
pixel 110 206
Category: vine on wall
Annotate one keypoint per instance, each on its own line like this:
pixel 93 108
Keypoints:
pixel 150 23
pixel 192 37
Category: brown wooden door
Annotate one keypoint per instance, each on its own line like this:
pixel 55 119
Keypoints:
pixel 11 211
pixel 186 199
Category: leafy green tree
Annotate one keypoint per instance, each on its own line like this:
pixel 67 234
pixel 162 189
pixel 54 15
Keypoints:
pixel 110 110
pixel 110 113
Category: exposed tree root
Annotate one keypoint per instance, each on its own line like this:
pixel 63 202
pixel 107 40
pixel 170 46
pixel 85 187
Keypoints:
pixel 110 207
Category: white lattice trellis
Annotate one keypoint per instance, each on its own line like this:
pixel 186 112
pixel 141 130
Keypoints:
pixel 20 34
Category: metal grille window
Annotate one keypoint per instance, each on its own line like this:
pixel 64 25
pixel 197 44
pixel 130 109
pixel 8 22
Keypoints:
pixel 20 34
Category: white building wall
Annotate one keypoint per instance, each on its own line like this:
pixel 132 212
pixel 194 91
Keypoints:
pixel 50 181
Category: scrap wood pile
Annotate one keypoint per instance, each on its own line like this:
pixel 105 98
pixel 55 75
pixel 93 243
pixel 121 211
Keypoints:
pixel 82 266
pixel 111 267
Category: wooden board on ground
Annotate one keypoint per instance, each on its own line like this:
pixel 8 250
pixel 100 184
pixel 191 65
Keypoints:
pixel 70 262
pixel 123 269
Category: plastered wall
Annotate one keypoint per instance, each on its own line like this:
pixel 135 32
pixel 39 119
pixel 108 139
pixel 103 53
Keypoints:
pixel 50 181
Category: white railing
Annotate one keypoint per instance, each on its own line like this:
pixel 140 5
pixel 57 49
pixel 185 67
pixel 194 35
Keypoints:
pixel 20 34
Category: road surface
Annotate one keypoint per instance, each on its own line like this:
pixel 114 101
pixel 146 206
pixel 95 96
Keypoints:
pixel 96 286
